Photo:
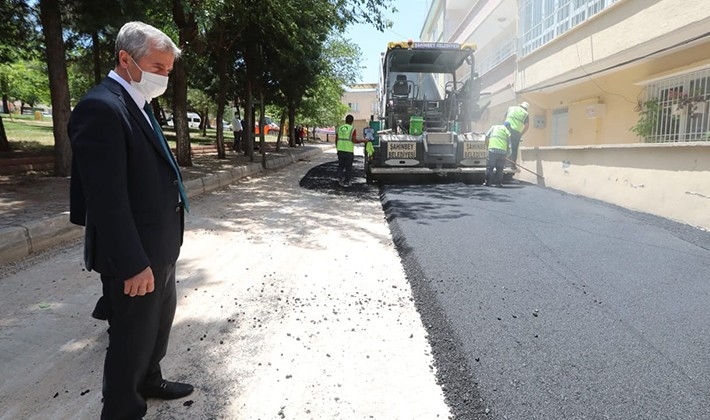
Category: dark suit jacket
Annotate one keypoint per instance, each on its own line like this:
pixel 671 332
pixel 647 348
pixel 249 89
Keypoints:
pixel 123 187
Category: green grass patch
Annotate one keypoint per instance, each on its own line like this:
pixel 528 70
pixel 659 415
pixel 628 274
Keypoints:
pixel 28 136
pixel 196 136
pixel 25 130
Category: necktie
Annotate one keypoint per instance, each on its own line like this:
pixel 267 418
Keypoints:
pixel 156 127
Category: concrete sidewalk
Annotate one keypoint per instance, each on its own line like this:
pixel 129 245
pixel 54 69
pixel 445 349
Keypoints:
pixel 39 218
pixel 292 304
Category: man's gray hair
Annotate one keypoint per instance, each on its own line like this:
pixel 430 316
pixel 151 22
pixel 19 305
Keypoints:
pixel 137 38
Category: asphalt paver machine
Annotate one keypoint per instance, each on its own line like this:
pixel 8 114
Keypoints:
pixel 428 101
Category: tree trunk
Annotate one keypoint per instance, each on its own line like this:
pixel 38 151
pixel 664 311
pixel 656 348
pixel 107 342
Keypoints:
pixel 182 131
pixel 248 126
pixel 187 29
pixel 262 136
pixel 50 17
pixel 222 64
pixel 292 124
pixel 6 102
pixel 281 130
pixel 4 143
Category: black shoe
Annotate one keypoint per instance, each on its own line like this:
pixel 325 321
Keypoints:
pixel 167 390
pixel 499 185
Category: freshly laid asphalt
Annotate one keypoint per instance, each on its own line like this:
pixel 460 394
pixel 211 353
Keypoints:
pixel 551 306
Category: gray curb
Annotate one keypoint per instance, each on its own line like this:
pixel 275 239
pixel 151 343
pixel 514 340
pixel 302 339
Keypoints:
pixel 17 242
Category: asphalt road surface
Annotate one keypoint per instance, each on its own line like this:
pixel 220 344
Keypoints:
pixel 542 305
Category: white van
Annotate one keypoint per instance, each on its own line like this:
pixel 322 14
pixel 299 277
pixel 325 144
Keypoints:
pixel 193 120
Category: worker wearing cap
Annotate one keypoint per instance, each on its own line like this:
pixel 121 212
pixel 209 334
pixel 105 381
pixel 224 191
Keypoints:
pixel 518 118
pixel 498 143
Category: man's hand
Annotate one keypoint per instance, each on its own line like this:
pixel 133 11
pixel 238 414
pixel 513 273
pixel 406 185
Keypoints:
pixel 140 284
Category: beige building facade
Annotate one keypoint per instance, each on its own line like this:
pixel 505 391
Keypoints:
pixel 589 82
pixel 619 93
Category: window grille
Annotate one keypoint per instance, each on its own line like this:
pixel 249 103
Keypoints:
pixel 541 21
pixel 682 108
pixel 354 106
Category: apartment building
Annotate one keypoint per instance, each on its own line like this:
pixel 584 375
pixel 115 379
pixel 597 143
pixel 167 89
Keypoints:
pixel 619 93
pixel 579 62
pixel 362 102
pixel 614 71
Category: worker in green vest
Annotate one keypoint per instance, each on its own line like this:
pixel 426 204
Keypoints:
pixel 345 139
pixel 498 143
pixel 518 118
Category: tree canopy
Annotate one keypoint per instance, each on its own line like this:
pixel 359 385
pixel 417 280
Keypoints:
pixel 236 55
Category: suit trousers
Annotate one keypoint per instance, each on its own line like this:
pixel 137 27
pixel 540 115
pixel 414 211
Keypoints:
pixel 138 341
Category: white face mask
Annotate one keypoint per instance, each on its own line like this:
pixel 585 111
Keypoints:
pixel 151 85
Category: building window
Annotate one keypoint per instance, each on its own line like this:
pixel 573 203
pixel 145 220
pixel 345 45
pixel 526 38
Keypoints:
pixel 541 21
pixel 354 107
pixel 677 109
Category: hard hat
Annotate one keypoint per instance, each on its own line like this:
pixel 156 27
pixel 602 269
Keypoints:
pixel 525 105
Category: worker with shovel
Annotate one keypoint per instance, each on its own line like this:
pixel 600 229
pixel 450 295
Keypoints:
pixel 498 143
pixel 518 119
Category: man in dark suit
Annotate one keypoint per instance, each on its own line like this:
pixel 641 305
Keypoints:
pixel 127 190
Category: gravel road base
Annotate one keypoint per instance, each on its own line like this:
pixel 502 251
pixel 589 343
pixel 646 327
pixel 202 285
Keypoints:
pixel 292 304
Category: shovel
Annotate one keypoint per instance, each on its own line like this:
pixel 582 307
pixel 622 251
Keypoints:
pixel 523 167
